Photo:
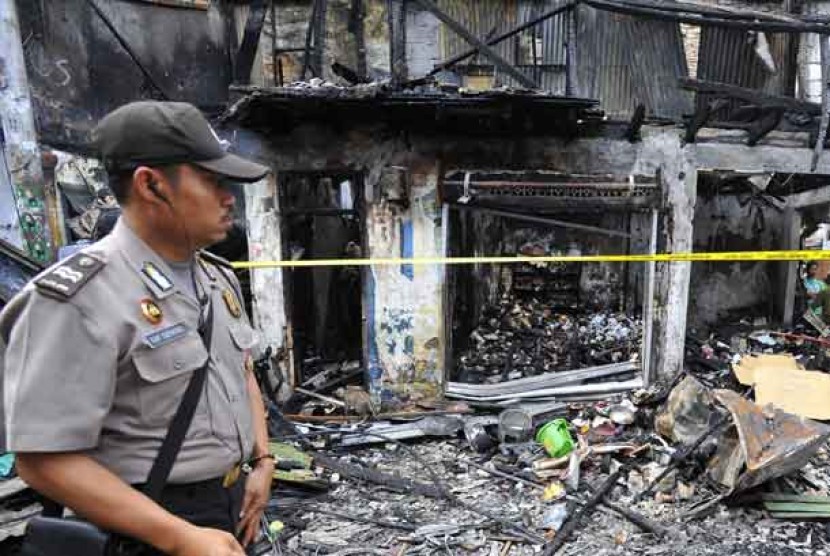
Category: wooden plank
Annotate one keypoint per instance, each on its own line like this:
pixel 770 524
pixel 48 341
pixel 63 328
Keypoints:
pixel 825 100
pixel 250 41
pixel 750 95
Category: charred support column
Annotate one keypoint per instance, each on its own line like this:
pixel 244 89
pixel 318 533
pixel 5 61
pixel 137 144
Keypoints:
pixel 397 32
pixel 792 240
pixel 22 155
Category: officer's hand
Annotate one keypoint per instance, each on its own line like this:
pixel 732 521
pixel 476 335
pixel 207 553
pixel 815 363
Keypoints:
pixel 202 541
pixel 257 493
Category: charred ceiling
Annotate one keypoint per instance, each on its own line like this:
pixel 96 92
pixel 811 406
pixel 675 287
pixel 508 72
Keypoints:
pixel 280 110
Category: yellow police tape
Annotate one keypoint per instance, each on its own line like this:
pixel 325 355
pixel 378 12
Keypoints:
pixel 727 256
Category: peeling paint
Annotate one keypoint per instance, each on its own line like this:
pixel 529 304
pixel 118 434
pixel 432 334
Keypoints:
pixel 405 325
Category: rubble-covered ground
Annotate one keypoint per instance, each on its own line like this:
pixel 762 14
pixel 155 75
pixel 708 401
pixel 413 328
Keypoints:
pixel 440 526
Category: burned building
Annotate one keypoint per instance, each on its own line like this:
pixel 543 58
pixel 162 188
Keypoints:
pixel 482 131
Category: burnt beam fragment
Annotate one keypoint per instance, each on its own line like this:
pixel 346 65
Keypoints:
pixel 694 16
pixel 363 473
pixel 347 73
pixel 485 50
pixel 573 521
pixel 750 95
pixel 250 41
pixel 632 133
pixel 768 121
pixel 702 115
pixel 825 101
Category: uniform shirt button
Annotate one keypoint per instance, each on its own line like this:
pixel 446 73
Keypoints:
pixel 177 365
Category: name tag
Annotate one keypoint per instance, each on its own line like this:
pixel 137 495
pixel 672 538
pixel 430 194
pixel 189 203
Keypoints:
pixel 158 338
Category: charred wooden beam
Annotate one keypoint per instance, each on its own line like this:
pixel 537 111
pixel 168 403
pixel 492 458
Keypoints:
pixel 309 38
pixel 504 36
pixel 701 116
pixel 250 41
pixel 364 473
pixel 347 73
pixel 750 95
pixel 320 37
pixel 825 101
pixel 397 39
pixel 570 55
pixel 356 27
pixel 768 121
pixel 632 133
pixel 572 521
pixel 491 54
pixel 696 17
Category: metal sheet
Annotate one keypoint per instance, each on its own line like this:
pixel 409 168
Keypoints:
pixel 604 388
pixel 767 441
pixel 624 61
pixel 728 56
pixel 548 380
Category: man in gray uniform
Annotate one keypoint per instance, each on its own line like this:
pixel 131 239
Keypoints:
pixel 98 350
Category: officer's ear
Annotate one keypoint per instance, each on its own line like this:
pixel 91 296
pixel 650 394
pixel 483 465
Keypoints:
pixel 150 185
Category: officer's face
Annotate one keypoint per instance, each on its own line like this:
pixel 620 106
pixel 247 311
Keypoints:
pixel 205 205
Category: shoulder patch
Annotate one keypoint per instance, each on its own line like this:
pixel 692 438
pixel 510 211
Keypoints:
pixel 67 278
pixel 209 257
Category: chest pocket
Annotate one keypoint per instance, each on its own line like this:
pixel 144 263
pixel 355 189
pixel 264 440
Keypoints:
pixel 163 374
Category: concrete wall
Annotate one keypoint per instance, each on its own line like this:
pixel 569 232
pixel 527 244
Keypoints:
pixel 403 303
pixel 78 70
pixel 721 288
pixel 395 296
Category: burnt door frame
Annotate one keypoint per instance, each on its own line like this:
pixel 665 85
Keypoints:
pixel 285 211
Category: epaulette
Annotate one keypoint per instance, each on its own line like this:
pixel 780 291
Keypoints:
pixel 209 257
pixel 64 280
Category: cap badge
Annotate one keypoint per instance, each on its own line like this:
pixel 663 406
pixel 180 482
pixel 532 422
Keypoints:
pixel 232 304
pixel 151 311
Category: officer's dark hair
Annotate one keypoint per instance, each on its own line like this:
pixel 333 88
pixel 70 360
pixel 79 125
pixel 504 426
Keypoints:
pixel 120 179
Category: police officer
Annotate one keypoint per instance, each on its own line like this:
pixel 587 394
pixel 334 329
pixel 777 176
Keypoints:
pixel 98 350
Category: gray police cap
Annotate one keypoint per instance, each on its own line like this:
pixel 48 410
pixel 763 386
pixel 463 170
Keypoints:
pixel 159 133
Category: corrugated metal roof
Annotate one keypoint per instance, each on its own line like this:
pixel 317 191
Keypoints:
pixel 624 61
pixel 728 56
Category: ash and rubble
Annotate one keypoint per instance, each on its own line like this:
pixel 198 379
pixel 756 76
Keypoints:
pixel 429 526
pixel 440 489
pixel 519 339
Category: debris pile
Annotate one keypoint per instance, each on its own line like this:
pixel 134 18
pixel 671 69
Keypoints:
pixel 519 339
pixel 703 465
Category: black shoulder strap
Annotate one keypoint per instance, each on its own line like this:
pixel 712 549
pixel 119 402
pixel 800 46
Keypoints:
pixel 174 438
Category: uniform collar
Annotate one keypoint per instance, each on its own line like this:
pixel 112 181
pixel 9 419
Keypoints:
pixel 150 267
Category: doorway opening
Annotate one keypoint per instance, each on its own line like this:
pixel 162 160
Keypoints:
pixel 322 218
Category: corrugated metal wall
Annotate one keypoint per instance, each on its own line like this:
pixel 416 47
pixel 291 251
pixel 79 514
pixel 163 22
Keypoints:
pixel 620 60
pixel 492 17
pixel 728 56
pixel 624 61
